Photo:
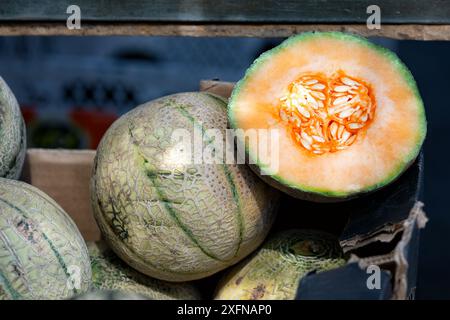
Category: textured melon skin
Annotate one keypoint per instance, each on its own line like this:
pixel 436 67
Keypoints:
pixel 12 134
pixel 109 295
pixel 319 195
pixel 172 221
pixel 41 249
pixel 274 271
pixel 111 273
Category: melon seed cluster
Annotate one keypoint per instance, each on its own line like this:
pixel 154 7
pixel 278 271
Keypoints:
pixel 326 114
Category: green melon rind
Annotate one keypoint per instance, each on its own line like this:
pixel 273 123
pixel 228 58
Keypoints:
pixel 111 273
pixel 226 170
pixel 11 163
pixel 274 270
pixel 47 254
pixel 109 295
pixel 138 262
pixel 318 194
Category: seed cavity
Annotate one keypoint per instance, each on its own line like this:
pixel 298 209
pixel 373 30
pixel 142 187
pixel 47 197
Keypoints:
pixel 303 111
pixel 306 137
pixel 318 95
pixel 340 100
pixel 318 87
pixel 341 88
pixel 355 126
pixel 345 135
pixel 318 138
pixel 349 81
pixel 326 113
pixel 346 113
pixel 310 82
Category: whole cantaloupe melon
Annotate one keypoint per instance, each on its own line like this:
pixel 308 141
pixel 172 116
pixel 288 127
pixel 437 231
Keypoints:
pixel 111 273
pixel 109 295
pixel 42 253
pixel 162 210
pixel 274 271
pixel 12 134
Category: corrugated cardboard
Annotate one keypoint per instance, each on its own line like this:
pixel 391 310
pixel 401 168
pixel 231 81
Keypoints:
pixel 64 175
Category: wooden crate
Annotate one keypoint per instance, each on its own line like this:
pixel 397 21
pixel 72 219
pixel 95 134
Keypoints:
pixel 413 19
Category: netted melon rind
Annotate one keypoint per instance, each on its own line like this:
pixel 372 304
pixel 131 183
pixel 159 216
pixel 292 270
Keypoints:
pixel 12 134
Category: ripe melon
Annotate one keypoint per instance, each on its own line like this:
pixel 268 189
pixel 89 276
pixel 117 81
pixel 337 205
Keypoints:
pixel 163 210
pixel 274 272
pixel 42 254
pixel 111 273
pixel 348 112
pixel 12 134
pixel 109 295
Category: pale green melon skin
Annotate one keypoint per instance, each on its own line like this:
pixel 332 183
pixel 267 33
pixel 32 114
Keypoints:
pixel 274 271
pixel 304 192
pixel 109 295
pixel 111 273
pixel 40 246
pixel 173 221
pixel 12 134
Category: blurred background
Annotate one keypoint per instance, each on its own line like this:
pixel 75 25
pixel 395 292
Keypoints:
pixel 72 88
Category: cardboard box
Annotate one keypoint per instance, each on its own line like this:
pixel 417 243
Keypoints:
pixel 64 175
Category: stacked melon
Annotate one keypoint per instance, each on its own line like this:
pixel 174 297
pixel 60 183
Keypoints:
pixel 347 119
pixel 42 253
pixel 169 208
pixel 109 273
pixel 179 197
pixel 12 134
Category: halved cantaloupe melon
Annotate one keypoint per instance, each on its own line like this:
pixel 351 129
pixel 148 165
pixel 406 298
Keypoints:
pixel 348 114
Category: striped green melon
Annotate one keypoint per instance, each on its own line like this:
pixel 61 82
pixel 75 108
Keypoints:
pixel 169 218
pixel 349 116
pixel 273 273
pixel 109 295
pixel 12 134
pixel 111 273
pixel 42 254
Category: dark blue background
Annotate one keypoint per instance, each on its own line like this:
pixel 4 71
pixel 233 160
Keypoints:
pixel 430 64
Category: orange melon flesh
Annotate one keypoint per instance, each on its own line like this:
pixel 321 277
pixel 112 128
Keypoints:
pixel 327 114
pixel 381 151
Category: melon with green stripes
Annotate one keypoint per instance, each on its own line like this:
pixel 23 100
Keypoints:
pixel 12 134
pixel 275 270
pixel 42 254
pixel 109 295
pixel 164 210
pixel 111 273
